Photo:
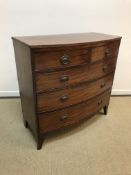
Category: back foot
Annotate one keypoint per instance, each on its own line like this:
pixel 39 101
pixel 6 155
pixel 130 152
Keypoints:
pixel 39 143
pixel 105 110
pixel 26 124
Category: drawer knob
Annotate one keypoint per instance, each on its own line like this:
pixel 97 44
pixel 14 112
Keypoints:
pixel 104 68
pixel 103 85
pixel 64 78
pixel 107 53
pixel 65 59
pixel 63 117
pixel 100 102
pixel 64 98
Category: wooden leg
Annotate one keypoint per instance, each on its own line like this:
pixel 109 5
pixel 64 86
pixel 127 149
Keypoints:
pixel 105 109
pixel 39 143
pixel 26 124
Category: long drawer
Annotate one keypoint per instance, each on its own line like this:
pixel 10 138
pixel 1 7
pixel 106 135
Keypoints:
pixel 70 96
pixel 65 117
pixel 61 79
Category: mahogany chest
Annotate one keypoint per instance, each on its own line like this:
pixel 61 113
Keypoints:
pixel 64 79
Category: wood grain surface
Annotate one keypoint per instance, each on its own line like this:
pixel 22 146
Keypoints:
pixel 56 120
pixel 54 80
pixel 65 39
pixel 52 101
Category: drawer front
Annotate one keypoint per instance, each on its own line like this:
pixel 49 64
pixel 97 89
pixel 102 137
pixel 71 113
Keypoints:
pixel 104 52
pixel 62 118
pixel 61 79
pixel 55 60
pixel 70 96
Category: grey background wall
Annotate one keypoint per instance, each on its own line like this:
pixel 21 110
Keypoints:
pixel 41 17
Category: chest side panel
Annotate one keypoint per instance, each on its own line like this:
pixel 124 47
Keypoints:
pixel 24 73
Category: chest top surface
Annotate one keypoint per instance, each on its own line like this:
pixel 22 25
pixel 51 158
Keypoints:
pixel 64 39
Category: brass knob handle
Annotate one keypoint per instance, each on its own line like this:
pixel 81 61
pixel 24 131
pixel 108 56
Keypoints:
pixel 64 78
pixel 107 53
pixel 103 85
pixel 64 98
pixel 100 102
pixel 63 117
pixel 65 59
pixel 104 68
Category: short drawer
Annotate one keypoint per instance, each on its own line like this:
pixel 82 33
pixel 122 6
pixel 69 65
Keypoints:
pixel 56 60
pixel 71 77
pixel 70 96
pixel 107 51
pixel 65 117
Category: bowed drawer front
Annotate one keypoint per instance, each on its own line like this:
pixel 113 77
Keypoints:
pixel 64 79
pixel 58 119
pixel 60 59
pixel 72 96
pixel 57 80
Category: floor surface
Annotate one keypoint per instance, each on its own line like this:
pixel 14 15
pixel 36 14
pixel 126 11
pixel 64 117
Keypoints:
pixel 99 146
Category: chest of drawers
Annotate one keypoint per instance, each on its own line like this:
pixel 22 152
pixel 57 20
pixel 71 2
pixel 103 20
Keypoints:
pixel 64 79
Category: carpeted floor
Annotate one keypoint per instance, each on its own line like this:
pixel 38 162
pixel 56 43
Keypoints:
pixel 99 146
